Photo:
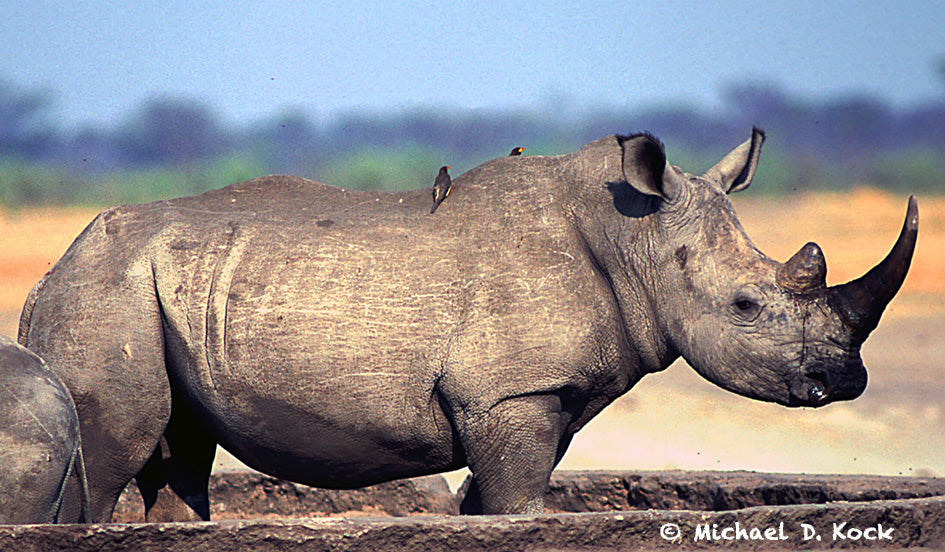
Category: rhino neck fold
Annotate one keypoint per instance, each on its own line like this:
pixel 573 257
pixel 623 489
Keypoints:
pixel 630 282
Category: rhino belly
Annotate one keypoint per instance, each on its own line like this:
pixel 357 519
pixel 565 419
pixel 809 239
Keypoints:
pixel 345 438
pixel 351 431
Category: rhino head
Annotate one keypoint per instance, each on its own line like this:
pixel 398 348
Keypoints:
pixel 754 326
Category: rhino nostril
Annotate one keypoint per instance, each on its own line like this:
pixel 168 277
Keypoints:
pixel 817 375
pixel 818 388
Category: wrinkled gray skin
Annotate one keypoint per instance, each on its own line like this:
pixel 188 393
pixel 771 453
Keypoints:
pixel 39 440
pixel 340 339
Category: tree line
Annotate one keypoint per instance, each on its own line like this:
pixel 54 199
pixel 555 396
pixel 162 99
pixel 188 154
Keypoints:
pixel 171 146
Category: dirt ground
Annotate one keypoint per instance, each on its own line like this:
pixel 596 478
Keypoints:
pixel 677 420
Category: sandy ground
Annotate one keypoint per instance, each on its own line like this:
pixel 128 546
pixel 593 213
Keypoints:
pixel 675 419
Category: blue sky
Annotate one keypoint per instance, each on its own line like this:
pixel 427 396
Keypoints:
pixel 251 60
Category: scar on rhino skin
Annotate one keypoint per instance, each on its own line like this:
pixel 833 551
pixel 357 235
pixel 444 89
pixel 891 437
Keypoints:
pixel 184 245
pixel 682 254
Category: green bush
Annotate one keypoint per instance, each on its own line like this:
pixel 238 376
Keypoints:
pixel 25 183
pixel 910 171
pixel 404 168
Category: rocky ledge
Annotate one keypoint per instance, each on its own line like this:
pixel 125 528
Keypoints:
pixel 587 510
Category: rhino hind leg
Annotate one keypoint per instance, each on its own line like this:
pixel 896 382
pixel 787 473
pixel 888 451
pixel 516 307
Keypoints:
pixel 174 482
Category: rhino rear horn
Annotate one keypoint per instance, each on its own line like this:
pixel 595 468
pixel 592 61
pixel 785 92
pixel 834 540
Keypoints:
pixel 861 302
pixel 806 271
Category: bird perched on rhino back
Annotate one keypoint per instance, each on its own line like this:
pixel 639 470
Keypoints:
pixel 441 188
pixel 516 151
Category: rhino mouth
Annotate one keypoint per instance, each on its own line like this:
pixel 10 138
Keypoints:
pixel 817 385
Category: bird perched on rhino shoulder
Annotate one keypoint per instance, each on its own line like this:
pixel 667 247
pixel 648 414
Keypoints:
pixel 516 151
pixel 441 188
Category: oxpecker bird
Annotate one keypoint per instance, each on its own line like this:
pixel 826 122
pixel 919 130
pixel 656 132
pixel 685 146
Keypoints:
pixel 441 188
pixel 516 151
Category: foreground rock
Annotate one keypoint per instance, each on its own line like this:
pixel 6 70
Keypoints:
pixel 605 491
pixel 607 510
pixel 252 495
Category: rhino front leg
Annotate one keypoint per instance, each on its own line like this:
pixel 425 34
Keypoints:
pixel 511 451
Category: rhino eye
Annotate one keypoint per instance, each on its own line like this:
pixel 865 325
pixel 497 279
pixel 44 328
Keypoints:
pixel 745 305
pixel 746 309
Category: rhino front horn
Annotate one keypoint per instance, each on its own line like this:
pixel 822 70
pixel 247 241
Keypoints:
pixel 861 302
pixel 806 271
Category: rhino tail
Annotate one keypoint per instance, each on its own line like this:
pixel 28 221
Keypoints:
pixel 76 466
pixel 85 514
pixel 23 331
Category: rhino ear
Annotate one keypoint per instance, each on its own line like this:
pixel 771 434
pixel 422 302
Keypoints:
pixel 644 164
pixel 735 171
